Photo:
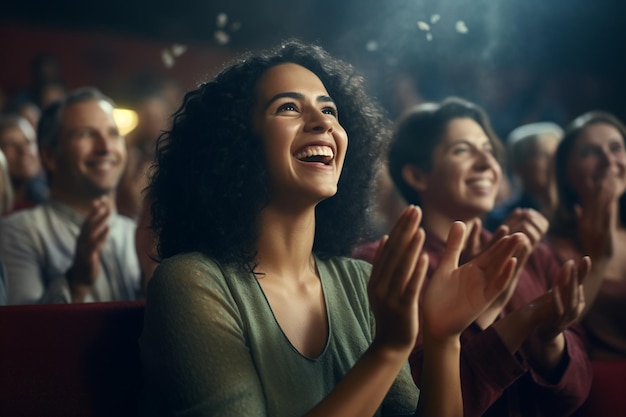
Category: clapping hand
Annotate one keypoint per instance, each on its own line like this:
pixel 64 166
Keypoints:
pixel 397 276
pixel 93 234
pixel 455 295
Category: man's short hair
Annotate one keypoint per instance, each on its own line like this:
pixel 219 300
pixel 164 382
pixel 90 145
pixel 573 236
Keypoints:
pixel 49 127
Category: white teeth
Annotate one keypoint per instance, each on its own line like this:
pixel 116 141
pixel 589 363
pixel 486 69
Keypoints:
pixel 315 151
pixel 481 183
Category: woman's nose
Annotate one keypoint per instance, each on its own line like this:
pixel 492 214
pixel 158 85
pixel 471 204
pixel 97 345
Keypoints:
pixel 319 122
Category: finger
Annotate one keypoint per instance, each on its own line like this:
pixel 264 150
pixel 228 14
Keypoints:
pixel 96 217
pixel 500 232
pixel 416 283
pixel 581 301
pixel 574 298
pixel 407 265
pixel 501 280
pixel 584 267
pixel 497 255
pixel 534 228
pixel 395 250
pixel 95 228
pixel 454 246
pixel 382 254
pixel 473 238
pixel 565 287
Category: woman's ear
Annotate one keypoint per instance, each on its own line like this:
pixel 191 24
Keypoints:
pixel 48 158
pixel 415 177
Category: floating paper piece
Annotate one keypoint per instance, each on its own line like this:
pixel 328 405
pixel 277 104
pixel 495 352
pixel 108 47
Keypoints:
pixel 461 27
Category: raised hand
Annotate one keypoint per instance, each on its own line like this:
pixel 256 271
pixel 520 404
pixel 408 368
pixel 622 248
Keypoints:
pixel 456 296
pixel 86 266
pixel 596 217
pixel 528 221
pixel 566 301
pixel 397 276
pixel 550 314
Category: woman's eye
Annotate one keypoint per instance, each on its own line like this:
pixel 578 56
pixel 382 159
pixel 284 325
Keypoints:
pixel 457 150
pixel 286 107
pixel 330 110
pixel 616 147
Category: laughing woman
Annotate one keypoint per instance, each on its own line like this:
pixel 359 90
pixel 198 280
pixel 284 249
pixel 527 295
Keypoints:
pixel 591 218
pixel 253 310
pixel 520 357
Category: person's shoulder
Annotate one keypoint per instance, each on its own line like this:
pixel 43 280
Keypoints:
pixel 25 218
pixel 188 276
pixel 187 265
pixel 125 221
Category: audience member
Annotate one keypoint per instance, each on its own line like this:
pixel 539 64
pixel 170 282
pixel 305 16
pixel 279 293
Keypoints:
pixel 152 112
pixel 3 285
pixel 520 357
pixel 6 189
pixel 530 150
pixel 253 311
pixel 75 247
pixel 29 111
pixel 18 143
pixel 591 219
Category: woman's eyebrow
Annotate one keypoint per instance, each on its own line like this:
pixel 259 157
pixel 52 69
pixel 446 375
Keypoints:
pixel 298 96
pixel 278 96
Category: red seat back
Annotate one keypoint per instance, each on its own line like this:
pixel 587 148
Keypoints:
pixel 608 391
pixel 70 360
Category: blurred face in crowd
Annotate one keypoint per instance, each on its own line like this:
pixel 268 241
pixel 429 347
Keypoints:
pixel 91 153
pixel 465 175
pixel 20 148
pixel 597 156
pixel 535 168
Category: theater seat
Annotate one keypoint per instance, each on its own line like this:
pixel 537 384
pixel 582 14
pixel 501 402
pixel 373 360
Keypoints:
pixel 70 360
pixel 608 391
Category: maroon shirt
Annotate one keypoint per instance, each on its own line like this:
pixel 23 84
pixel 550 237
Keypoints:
pixel 495 382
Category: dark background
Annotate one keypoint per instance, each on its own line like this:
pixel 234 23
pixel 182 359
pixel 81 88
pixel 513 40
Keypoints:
pixel 521 59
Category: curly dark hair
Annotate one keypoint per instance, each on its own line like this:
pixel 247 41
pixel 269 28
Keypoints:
pixel 420 129
pixel 564 221
pixel 209 182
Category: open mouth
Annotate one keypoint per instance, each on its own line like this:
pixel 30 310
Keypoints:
pixel 316 154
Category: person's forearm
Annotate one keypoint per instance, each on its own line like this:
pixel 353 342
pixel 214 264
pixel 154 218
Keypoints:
pixel 78 291
pixel 441 393
pixel 548 357
pixel 362 390
pixel 516 327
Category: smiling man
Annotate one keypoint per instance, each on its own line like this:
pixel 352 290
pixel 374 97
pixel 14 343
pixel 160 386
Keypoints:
pixel 76 248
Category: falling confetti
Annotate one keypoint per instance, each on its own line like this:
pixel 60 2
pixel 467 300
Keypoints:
pixel 423 25
pixel 222 20
pixel 434 18
pixel 221 37
pixel 371 46
pixel 167 58
pixel 461 27
pixel 429 37
pixel 178 49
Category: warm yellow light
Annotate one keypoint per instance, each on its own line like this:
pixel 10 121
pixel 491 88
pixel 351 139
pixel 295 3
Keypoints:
pixel 126 120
